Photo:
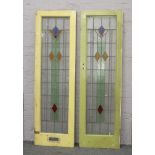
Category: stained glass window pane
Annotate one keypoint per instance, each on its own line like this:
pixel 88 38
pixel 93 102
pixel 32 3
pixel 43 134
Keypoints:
pixel 55 74
pixel 101 59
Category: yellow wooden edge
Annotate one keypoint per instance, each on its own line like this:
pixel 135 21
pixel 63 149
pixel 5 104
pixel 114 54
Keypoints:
pixel 100 141
pixel 118 77
pixel 71 116
pixel 100 12
pixel 57 13
pixel 65 140
pixel 43 139
pixel 37 88
pixel 82 124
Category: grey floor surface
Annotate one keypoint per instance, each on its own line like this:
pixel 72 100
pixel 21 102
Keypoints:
pixel 30 149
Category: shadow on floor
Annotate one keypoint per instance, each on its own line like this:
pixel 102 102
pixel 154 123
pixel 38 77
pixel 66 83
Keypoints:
pixel 30 149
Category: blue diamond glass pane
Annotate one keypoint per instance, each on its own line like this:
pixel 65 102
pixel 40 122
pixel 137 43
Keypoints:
pixel 101 30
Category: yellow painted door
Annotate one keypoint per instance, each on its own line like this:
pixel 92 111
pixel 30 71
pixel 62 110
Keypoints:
pixel 55 78
pixel 100 78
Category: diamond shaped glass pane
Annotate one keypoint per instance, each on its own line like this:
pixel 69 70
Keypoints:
pixel 100 109
pixel 51 56
pixel 105 56
pixel 97 56
pixel 54 108
pixel 59 56
pixel 101 30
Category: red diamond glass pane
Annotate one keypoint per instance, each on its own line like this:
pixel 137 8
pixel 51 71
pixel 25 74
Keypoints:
pixel 100 109
pixel 54 108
